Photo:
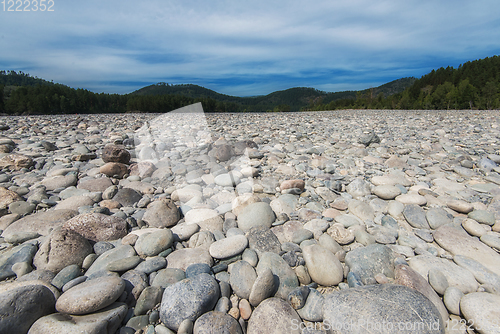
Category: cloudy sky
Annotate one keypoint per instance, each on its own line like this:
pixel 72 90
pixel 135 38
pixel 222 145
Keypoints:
pixel 244 48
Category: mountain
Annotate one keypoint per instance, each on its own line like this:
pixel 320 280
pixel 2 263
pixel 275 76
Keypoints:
pixel 292 99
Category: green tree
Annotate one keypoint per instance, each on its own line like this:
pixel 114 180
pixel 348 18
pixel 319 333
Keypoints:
pixel 1 99
pixel 490 91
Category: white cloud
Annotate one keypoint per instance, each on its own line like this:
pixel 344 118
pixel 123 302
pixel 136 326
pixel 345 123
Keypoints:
pixel 95 42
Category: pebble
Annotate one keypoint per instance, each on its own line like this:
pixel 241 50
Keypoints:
pixel 312 184
pixel 451 299
pixel 481 310
pixel 274 315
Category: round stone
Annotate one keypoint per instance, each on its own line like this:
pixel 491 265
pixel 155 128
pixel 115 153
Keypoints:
pixel 274 316
pixel 386 192
pixel 323 266
pixel 91 295
pixel 216 322
pixel 256 214
pixel 151 244
pixel 481 309
pixel 228 247
pixel 451 299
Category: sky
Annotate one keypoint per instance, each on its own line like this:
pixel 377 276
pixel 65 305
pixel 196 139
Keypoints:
pixel 243 48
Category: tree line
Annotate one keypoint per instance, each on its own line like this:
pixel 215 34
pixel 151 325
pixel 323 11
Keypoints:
pixel 473 85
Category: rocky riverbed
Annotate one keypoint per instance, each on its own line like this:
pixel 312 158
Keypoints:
pixel 327 222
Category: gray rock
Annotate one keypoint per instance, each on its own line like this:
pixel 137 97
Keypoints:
pixel 228 247
pixel 188 299
pixel 227 180
pixel 124 264
pixel 183 258
pixel 151 244
pixel 152 264
pixel 109 256
pixel 61 249
pixel 451 299
pixel 115 153
pixel 406 276
pixel 169 276
pixel 361 210
pixel 437 217
pixel 261 239
pixel 264 286
pixel 90 296
pixel 256 214
pixel 483 217
pixel 437 280
pixel 242 279
pixel 106 321
pixel 148 299
pixel 323 266
pixel 286 276
pixel 21 304
pixel 274 316
pixel 65 275
pixel 353 310
pixel 482 274
pixel 216 322
pixel 127 197
pixel 197 269
pixel 41 222
pixel 415 216
pixel 358 188
pixel 313 308
pixel 369 138
pixel 481 309
pixel 97 226
pixel 162 213
pixel 298 296
pixel 9 257
pixel 366 262
pixel 387 192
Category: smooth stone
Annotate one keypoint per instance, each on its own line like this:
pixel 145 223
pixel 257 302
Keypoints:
pixel 59 181
pixel 415 216
pixel 151 265
pixel 411 199
pixel 286 203
pixel 386 192
pixel 152 244
pixel 202 239
pixel 20 237
pixel 74 202
pixel 437 280
pixel 206 219
pixel 65 275
pixel 196 269
pixel 169 276
pixel 286 276
pixel 483 217
pixel 21 304
pixel 120 252
pixel 451 299
pixel 41 222
pixel 348 220
pixel 323 266
pixel 263 287
pixel 183 258
pixel 481 309
pixel 227 180
pixel 460 206
pixel 326 241
pixel 9 257
pixel 300 235
pixel 406 276
pixel 21 208
pixel 161 213
pixel 358 188
pixel 106 321
pixel 147 300
pixel 360 306
pixel 363 237
pixel 112 169
pixel 274 316
pixel 437 217
pixel 250 255
pixel 313 307
pixel 368 261
pixel 188 299
pixel 95 185
pixel 341 234
pixel 184 231
pixel 72 192
pixel 482 274
pixel 473 228
pixel 455 275
pixel 261 239
pixel 61 249
pixel 256 214
pixel 115 153
pixel 216 322
pixel 491 239
pixel 228 247
pixel 361 210
pixel 124 264
pixel 73 282
pixel 127 197
pixel 298 296
pixel 97 226
pixel 242 278
pixel 458 242
pixel 91 295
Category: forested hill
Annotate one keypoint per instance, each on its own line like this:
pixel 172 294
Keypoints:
pixel 473 85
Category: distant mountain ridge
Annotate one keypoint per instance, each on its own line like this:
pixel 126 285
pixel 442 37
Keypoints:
pixel 294 99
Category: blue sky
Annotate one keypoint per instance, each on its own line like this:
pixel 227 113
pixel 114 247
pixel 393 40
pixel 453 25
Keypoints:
pixel 245 48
